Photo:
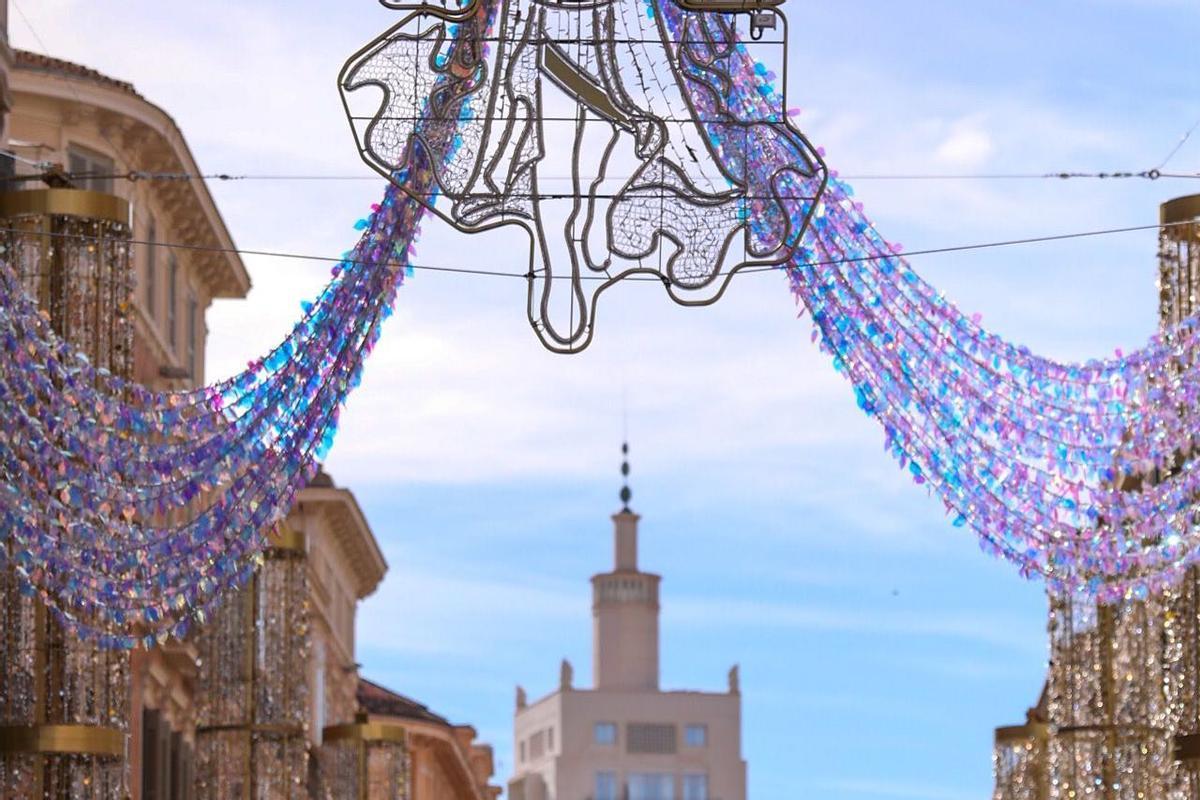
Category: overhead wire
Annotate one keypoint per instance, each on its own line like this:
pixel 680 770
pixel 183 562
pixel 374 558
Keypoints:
pixel 652 278
pixel 1179 145
pixel 131 175
pixel 139 175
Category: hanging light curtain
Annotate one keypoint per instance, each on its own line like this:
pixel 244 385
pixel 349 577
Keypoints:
pixel 1019 758
pixel 64 703
pixel 1124 678
pixel 1111 735
pixel 1179 297
pixel 365 760
pixel 252 691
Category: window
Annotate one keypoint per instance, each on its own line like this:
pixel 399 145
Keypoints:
pixel 8 169
pixel 522 752
pixel 172 291
pixel 651 786
pixel 695 735
pixel 166 760
pixel 152 269
pixel 650 738
pixel 191 338
pixel 695 786
pixel 97 167
pixel 318 690
pixel 153 768
pixel 550 739
pixel 537 745
pixel 605 733
pixel 606 786
pixel 182 768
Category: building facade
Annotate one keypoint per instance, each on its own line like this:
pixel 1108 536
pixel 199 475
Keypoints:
pixel 88 124
pixel 264 700
pixel 6 58
pixel 625 738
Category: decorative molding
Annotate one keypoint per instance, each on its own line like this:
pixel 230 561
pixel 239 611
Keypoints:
pixel 136 120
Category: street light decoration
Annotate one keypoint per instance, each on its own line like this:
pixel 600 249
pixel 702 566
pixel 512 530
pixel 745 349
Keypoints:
pixel 62 702
pixel 130 512
pixel 606 131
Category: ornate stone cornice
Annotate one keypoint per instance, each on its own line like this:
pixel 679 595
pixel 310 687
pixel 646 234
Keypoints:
pixel 351 534
pixel 154 143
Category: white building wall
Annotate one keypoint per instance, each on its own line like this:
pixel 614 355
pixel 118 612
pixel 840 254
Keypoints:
pixel 570 772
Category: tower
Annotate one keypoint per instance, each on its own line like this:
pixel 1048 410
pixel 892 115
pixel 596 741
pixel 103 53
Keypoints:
pixel 626 738
pixel 625 608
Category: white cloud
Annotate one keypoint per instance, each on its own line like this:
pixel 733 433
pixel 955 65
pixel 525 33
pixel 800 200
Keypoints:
pixel 966 146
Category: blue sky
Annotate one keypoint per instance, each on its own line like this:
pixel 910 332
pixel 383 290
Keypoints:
pixel 878 646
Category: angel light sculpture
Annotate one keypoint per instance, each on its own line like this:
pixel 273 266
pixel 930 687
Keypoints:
pixel 606 131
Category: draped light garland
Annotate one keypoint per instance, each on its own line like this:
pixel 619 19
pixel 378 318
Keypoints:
pixel 97 469
pixel 129 511
pixel 1035 455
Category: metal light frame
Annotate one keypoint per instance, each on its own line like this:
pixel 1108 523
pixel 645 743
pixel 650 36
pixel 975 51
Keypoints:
pixel 585 70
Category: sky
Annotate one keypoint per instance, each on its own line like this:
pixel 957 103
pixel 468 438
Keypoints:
pixel 878 646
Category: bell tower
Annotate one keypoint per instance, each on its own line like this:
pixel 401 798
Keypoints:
pixel 625 609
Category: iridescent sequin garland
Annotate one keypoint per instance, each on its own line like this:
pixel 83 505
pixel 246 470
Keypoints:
pixel 1030 453
pixel 130 512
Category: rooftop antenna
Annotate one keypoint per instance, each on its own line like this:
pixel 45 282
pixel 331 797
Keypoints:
pixel 626 493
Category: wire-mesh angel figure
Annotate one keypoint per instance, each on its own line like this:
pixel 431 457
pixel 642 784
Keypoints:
pixel 605 129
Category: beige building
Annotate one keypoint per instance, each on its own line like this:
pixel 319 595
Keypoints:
pixel 625 738
pixel 89 124
pixel 6 57
pixel 262 701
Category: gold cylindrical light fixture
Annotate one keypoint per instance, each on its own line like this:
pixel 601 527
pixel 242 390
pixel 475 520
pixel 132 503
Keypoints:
pixel 365 760
pixel 1019 762
pixel 64 704
pixel 252 685
pixel 1109 722
pixel 1179 259
pixel 1179 284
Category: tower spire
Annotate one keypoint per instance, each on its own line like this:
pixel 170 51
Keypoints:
pixel 626 493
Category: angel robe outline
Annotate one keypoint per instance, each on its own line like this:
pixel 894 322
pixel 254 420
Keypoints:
pixel 591 127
